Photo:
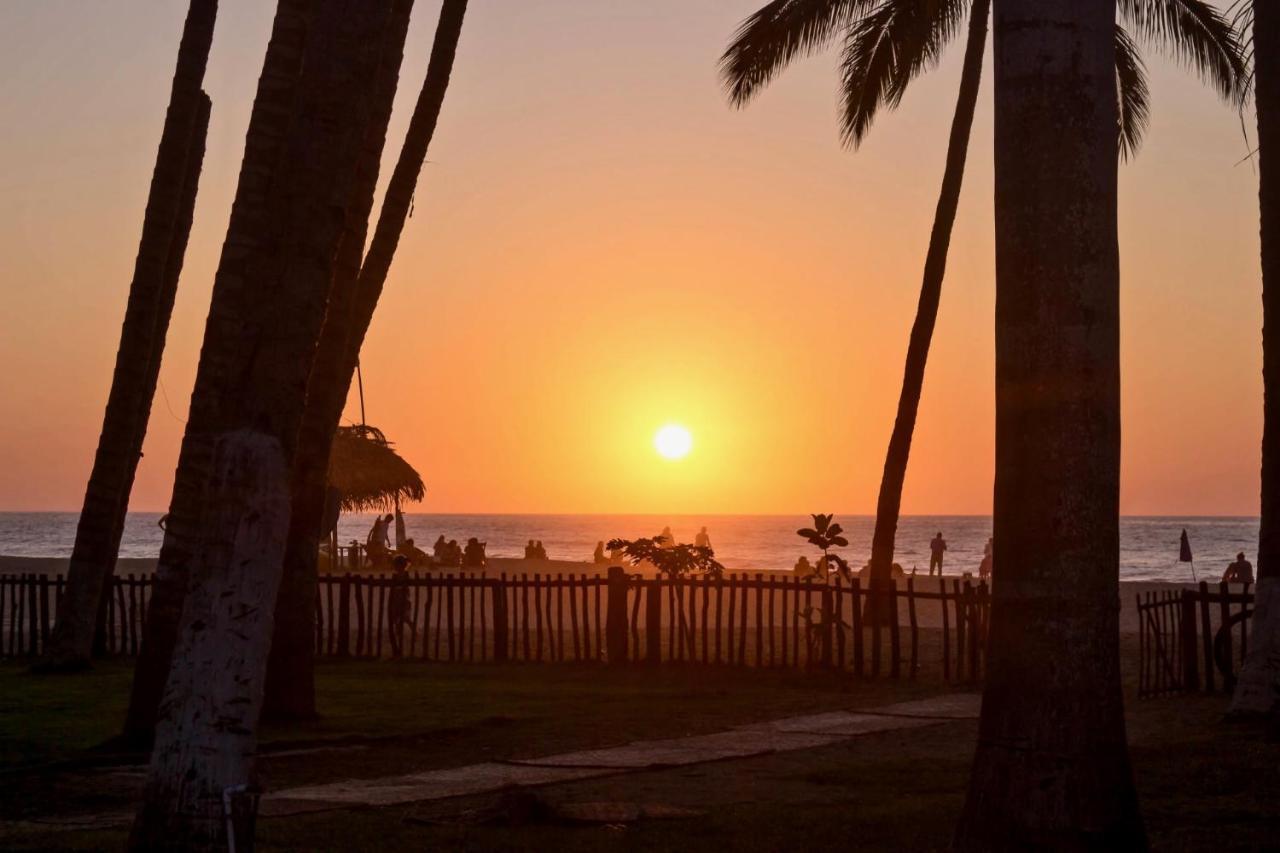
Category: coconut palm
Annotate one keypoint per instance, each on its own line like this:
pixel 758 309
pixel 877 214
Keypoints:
pixel 1052 765
pixel 298 181
pixel 165 228
pixel 886 45
pixel 291 682
pixel 1258 691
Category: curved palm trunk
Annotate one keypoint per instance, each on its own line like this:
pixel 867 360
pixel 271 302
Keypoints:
pixel 291 213
pixel 290 687
pixel 935 267
pixel 166 225
pixel 291 682
pixel 1258 691
pixel 1052 764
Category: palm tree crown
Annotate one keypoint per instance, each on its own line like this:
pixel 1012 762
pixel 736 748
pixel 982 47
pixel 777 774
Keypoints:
pixel 887 43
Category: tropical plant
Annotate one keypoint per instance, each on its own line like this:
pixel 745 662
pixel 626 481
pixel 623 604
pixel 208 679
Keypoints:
pixel 1051 769
pixel 674 561
pixel 166 225
pixel 886 45
pixel 357 289
pixel 297 182
pixel 1258 690
pixel 825 535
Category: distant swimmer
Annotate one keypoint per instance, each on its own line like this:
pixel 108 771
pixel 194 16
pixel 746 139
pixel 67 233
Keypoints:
pixel 1241 571
pixel 937 547
pixel 703 539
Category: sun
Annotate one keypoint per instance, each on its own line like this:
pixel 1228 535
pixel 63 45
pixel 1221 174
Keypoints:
pixel 673 442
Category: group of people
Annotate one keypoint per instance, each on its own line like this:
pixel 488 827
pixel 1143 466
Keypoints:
pixel 535 551
pixel 380 553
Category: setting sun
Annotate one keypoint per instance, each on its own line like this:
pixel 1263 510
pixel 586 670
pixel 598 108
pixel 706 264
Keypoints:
pixel 673 442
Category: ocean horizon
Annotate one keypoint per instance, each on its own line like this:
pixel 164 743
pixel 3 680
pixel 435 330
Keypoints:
pixel 1148 544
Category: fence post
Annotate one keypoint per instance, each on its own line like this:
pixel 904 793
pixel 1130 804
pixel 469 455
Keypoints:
pixel 500 630
pixel 653 622
pixel 828 625
pixel 1206 628
pixel 1190 654
pixel 344 616
pixel 616 615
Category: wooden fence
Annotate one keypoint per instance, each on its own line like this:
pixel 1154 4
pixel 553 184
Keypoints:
pixel 757 620
pixel 1179 631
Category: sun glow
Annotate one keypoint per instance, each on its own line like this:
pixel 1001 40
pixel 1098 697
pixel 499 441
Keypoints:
pixel 673 442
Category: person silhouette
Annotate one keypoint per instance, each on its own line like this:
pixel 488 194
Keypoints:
pixel 530 552
pixel 703 539
pixel 937 547
pixel 1241 571
pixel 667 539
pixel 598 557
pixel 539 552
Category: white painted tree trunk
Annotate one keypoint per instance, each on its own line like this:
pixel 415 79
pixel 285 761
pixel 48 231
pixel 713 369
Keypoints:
pixel 1258 690
pixel 205 738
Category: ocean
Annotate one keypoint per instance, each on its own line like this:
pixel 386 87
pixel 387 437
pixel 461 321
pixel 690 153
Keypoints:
pixel 1148 545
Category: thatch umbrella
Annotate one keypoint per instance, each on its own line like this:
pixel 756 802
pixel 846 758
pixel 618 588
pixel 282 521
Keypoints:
pixel 367 474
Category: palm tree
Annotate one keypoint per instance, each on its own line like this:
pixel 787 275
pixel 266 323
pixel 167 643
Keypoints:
pixel 1258 690
pixel 1052 764
pixel 166 225
pixel 290 681
pixel 887 43
pixel 297 184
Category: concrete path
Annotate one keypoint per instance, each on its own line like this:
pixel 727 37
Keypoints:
pixel 790 733
pixel 782 735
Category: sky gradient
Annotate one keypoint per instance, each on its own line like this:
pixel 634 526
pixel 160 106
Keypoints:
pixel 600 246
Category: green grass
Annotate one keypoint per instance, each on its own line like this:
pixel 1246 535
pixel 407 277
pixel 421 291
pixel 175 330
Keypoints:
pixel 1203 785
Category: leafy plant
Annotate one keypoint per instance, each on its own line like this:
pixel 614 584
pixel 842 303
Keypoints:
pixel 825 535
pixel 673 561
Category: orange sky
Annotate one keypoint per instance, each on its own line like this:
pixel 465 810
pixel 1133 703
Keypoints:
pixel 600 246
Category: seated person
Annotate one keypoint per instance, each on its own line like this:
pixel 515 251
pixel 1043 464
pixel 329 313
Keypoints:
pixel 439 549
pixel 530 552
pixel 473 556
pixel 598 557
pixel 1241 571
pixel 803 568
pixel 415 555
pixel 539 553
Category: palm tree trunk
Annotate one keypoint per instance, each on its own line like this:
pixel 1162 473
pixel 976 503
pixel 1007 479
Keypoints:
pixel 889 504
pixel 290 687
pixel 290 216
pixel 1052 765
pixel 1258 690
pixel 166 225
pixel 291 683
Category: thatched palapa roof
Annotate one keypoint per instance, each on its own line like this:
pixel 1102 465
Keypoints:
pixel 368 473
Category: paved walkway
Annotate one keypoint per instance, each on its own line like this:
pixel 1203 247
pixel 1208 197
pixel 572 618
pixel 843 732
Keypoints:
pixel 790 733
pixel 782 735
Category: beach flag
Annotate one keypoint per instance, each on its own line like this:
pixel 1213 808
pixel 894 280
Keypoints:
pixel 1184 553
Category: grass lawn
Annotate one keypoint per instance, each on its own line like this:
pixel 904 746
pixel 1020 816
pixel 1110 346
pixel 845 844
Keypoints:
pixel 1204 786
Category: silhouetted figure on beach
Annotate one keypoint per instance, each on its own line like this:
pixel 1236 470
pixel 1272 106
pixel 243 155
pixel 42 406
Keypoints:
pixel 668 539
pixel 452 553
pixel 415 555
pixel 598 557
pixel 378 543
pixel 398 603
pixel 937 547
pixel 531 551
pixel 440 549
pixel 803 568
pixel 1241 571
pixel 703 539
pixel 473 556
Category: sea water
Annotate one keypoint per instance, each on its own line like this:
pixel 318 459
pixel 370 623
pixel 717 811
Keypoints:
pixel 1148 545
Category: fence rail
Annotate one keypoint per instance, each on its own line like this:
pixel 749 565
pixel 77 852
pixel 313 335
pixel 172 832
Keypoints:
pixel 1181 631
pixel 755 620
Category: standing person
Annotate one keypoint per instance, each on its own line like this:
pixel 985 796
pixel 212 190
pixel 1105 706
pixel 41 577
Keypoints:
pixel 378 543
pixel 398 603
pixel 703 539
pixel 937 547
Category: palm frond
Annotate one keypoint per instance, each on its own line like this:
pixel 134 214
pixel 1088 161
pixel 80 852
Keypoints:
pixel 1195 33
pixel 885 50
pixel 766 42
pixel 1134 97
